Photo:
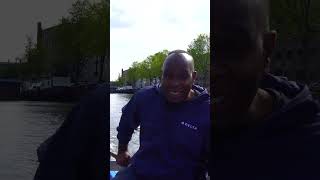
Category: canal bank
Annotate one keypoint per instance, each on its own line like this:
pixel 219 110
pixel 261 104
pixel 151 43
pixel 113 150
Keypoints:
pixel 14 89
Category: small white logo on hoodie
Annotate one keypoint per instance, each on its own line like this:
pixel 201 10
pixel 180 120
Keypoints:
pixel 189 125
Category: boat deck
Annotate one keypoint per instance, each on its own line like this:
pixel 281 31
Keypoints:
pixel 115 167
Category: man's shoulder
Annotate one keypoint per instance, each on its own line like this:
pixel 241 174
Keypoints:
pixel 313 128
pixel 146 92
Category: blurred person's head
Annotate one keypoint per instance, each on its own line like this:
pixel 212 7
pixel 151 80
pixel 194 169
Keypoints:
pixel 242 46
pixel 178 76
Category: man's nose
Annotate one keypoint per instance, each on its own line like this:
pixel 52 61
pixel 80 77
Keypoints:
pixel 175 82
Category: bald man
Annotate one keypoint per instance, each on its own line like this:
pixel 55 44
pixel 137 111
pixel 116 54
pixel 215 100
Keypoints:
pixel 265 127
pixel 174 119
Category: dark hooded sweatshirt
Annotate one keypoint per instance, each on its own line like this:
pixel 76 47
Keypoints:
pixel 173 137
pixel 78 149
pixel 285 146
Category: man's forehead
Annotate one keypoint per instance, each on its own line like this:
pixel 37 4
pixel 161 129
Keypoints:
pixel 174 61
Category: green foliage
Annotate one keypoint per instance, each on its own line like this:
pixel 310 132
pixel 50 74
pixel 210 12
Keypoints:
pixel 146 69
pixel 200 51
pixel 120 81
pixel 298 19
pixel 80 35
pixel 157 61
pixel 35 65
pixel 152 65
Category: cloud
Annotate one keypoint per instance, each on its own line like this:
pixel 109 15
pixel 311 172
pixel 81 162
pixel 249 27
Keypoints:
pixel 118 19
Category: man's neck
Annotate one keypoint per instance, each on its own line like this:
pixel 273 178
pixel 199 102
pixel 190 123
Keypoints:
pixel 261 106
pixel 191 94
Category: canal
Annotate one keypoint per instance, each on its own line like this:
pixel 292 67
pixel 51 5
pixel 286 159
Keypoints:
pixel 26 124
pixel 117 101
pixel 23 126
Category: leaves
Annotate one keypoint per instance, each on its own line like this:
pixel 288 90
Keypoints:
pixel 200 51
pixel 152 65
pixel 83 34
pixel 294 18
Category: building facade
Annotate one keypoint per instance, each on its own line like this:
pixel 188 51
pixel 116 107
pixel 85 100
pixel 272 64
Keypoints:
pixel 90 72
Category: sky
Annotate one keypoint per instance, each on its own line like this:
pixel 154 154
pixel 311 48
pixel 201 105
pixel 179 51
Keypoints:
pixel 19 19
pixel 143 27
pixel 138 28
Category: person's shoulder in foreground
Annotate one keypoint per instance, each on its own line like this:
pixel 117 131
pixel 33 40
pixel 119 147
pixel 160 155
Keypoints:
pixel 295 110
pixel 265 127
pixel 78 148
pixel 287 144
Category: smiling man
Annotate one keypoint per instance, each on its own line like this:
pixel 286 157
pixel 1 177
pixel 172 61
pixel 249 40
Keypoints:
pixel 265 127
pixel 174 120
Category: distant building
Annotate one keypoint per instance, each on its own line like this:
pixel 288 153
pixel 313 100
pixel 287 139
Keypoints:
pixel 124 75
pixel 91 70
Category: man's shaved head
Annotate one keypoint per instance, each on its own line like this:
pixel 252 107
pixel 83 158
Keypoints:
pixel 179 55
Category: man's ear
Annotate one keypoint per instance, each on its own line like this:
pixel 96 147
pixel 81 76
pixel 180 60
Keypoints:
pixel 194 76
pixel 269 43
pixel 267 65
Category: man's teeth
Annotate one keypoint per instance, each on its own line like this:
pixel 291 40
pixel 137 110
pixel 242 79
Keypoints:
pixel 174 93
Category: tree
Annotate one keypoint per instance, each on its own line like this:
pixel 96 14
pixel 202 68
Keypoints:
pixel 84 34
pixel 35 66
pixel 99 30
pixel 297 20
pixel 200 51
pixel 120 81
pixel 132 75
pixel 156 63
pixel 151 67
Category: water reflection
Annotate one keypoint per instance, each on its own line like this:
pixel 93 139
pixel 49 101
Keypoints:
pixel 117 101
pixel 23 126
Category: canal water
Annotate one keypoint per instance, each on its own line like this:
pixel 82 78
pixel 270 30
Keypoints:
pixel 26 124
pixel 23 126
pixel 117 101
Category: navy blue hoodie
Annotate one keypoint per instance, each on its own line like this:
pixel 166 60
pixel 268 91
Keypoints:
pixel 77 151
pixel 173 138
pixel 285 146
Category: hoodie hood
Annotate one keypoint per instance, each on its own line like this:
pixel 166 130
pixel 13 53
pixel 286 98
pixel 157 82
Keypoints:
pixel 294 104
pixel 286 141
